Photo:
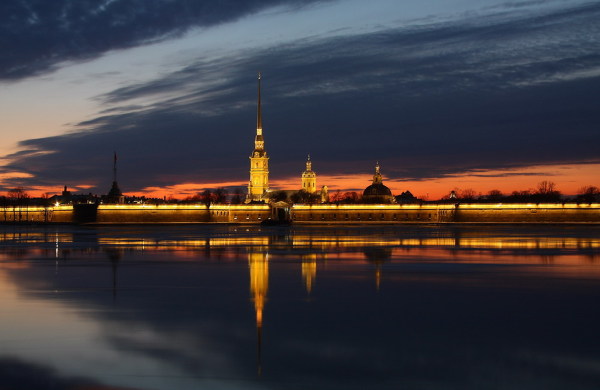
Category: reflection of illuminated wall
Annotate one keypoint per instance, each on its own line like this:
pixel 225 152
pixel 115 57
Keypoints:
pixel 464 241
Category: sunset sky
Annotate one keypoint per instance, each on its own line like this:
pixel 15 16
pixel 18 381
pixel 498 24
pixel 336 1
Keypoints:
pixel 481 94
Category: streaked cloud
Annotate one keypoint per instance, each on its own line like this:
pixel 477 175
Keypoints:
pixel 38 36
pixel 430 99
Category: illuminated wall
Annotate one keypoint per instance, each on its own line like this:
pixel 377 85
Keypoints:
pixel 245 213
pixel 152 213
pixel 528 213
pixel 372 213
pixel 447 213
pixel 308 214
pixel 37 214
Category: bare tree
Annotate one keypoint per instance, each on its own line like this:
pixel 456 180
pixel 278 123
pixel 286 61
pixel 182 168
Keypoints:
pixel 278 196
pixel 546 187
pixel 546 191
pixel 468 194
pixel 220 195
pixel 237 197
pixel 589 194
pixel 495 195
pixel 206 196
pixel 337 196
pixel 351 197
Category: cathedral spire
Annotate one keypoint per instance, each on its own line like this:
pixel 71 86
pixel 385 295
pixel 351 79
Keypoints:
pixel 377 178
pixel 259 162
pixel 259 142
pixel 258 113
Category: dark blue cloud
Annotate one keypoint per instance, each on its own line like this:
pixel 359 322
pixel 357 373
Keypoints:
pixel 37 35
pixel 502 91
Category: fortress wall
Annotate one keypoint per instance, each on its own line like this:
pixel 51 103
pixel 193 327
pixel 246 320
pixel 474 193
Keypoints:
pixel 25 214
pixel 152 214
pixel 528 213
pixel 387 214
pixel 242 213
pixel 61 214
pixel 309 214
pixel 447 212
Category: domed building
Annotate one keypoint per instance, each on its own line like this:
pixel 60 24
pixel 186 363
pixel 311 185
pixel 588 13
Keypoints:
pixel 378 192
pixel 309 178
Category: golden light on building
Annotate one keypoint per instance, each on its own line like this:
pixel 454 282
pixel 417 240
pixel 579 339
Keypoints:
pixel 309 178
pixel 259 161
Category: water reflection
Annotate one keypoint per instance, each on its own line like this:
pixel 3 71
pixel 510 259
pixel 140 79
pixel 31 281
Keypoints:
pixel 228 242
pixel 258 263
pixel 191 307
pixel 309 270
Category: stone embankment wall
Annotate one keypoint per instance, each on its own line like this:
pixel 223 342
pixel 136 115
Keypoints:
pixel 447 213
pixel 384 214
pixel 37 214
pixel 241 213
pixel 308 214
pixel 149 214
pixel 528 213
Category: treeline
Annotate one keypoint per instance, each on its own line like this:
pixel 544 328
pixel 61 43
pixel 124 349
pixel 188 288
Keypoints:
pixel 545 191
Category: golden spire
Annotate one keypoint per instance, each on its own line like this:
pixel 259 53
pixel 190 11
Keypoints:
pixel 259 142
pixel 377 179
pixel 258 114
pixel 259 162
pixel 308 164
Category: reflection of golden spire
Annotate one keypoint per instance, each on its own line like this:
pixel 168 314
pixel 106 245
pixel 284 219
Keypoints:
pixel 378 276
pixel 309 270
pixel 259 284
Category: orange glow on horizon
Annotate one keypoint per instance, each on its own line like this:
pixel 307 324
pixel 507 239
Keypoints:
pixel 569 178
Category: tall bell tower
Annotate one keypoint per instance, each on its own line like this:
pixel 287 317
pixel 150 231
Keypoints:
pixel 259 162
pixel 309 178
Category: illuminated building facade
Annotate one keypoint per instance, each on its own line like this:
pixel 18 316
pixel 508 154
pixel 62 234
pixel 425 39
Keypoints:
pixel 309 178
pixel 259 161
pixel 378 192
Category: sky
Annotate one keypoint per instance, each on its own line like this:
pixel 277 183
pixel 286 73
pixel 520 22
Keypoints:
pixel 444 94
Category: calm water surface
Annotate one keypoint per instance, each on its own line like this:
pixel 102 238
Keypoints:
pixel 225 307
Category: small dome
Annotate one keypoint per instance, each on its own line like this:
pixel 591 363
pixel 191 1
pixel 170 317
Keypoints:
pixel 378 192
pixel 377 189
